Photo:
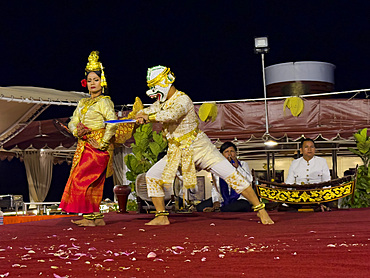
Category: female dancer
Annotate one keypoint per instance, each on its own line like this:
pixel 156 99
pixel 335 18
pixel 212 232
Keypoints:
pixel 92 159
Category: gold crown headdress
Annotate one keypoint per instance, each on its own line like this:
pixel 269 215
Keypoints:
pixel 95 65
pixel 166 75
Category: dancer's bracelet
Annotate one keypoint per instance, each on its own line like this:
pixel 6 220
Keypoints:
pixel 259 207
pixel 89 216
pixel 93 216
pixel 162 213
pixel 152 117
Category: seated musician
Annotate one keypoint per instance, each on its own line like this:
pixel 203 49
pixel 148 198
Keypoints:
pixel 224 198
pixel 309 168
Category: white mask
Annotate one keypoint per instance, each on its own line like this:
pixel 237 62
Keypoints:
pixel 158 92
pixel 159 80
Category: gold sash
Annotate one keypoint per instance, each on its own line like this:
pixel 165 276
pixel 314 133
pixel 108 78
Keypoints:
pixel 180 153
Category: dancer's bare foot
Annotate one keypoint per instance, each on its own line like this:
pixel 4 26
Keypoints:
pixel 77 222
pixel 159 220
pixel 84 222
pixel 265 218
pixel 324 208
pixel 99 222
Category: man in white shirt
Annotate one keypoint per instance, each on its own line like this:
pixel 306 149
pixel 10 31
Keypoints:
pixel 224 198
pixel 309 168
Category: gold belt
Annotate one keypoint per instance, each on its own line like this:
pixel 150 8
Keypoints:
pixel 96 134
pixel 177 140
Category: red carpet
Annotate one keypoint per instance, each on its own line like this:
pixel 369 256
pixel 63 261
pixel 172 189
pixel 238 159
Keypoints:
pixel 331 244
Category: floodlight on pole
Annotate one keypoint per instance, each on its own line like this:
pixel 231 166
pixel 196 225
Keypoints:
pixel 261 47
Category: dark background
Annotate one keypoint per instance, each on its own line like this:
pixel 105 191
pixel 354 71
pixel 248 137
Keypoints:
pixel 207 44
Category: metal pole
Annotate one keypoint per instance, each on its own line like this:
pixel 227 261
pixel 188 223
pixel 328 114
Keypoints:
pixel 264 92
pixel 335 164
pixel 273 166
pixel 268 176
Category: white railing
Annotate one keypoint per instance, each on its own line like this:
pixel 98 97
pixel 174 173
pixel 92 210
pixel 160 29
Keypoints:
pixel 38 206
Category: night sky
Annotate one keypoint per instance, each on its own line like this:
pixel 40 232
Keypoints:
pixel 207 44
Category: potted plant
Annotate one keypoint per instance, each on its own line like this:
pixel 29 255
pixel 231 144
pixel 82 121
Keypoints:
pixel 148 144
pixel 361 196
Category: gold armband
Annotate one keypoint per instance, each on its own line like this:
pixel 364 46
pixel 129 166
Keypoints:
pixel 151 117
pixel 259 207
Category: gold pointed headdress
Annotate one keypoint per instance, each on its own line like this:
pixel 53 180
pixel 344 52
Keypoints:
pixel 94 65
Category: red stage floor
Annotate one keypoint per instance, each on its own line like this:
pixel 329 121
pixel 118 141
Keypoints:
pixel 330 244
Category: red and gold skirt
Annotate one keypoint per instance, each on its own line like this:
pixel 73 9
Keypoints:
pixel 84 189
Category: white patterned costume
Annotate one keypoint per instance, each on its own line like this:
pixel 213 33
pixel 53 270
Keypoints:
pixel 243 169
pixel 188 147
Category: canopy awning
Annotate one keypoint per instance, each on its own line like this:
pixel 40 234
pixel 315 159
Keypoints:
pixel 21 105
pixel 331 122
pixel 330 118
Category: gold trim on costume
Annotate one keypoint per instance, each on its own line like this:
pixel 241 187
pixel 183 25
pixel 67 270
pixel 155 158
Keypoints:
pixel 160 77
pixel 97 135
pixel 88 102
pixel 236 180
pixel 177 140
pixel 151 117
pixel 154 187
pixel 179 153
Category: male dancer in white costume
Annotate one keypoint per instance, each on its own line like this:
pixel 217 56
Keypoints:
pixel 188 146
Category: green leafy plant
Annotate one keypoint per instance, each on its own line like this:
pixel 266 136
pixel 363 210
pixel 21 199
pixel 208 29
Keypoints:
pixel 131 205
pixel 148 144
pixel 361 195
